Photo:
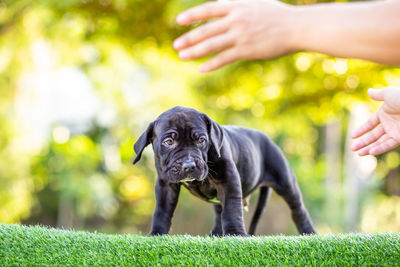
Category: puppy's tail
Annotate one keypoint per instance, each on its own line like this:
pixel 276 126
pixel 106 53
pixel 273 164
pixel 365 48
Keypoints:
pixel 262 201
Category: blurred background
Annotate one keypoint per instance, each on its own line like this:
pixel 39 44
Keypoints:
pixel 81 79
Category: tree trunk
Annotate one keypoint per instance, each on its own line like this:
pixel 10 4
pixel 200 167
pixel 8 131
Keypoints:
pixel 357 170
pixel 333 171
pixel 65 216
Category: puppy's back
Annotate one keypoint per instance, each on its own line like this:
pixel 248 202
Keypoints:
pixel 254 147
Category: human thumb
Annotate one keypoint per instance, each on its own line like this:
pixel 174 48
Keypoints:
pixel 376 94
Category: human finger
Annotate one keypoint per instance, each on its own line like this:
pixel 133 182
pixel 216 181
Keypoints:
pixel 203 12
pixel 372 122
pixel 201 33
pixel 209 46
pixel 366 150
pixel 376 94
pixel 384 147
pixel 224 58
pixel 368 138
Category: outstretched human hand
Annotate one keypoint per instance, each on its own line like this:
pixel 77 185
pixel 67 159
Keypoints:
pixel 381 132
pixel 240 30
pixel 265 29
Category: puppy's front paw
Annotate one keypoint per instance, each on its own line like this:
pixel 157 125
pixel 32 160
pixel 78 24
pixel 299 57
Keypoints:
pixel 155 233
pixel 236 233
pixel 215 234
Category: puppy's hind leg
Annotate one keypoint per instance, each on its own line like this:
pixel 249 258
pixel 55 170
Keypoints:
pixel 289 190
pixel 217 230
pixel 262 201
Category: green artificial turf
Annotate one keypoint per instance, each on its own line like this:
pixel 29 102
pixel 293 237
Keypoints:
pixel 40 246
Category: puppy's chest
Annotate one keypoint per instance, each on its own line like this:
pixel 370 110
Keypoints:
pixel 205 190
pixel 208 192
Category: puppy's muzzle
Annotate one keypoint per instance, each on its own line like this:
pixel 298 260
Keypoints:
pixel 188 167
pixel 191 170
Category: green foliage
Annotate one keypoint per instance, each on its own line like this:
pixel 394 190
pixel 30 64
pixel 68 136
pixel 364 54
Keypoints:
pixel 30 246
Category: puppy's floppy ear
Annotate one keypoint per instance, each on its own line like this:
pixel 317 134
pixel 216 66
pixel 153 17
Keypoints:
pixel 215 134
pixel 143 141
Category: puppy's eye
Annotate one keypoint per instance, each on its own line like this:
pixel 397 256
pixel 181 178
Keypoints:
pixel 168 142
pixel 202 140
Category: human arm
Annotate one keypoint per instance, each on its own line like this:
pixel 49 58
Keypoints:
pixel 260 29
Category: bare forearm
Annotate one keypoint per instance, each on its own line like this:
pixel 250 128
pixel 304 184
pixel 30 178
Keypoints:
pixel 264 29
pixel 366 30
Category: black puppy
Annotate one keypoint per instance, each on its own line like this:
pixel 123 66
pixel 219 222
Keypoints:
pixel 220 164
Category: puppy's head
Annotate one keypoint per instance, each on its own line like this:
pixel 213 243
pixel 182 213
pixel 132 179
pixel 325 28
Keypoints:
pixel 182 140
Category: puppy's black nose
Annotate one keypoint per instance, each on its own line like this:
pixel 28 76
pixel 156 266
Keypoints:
pixel 188 166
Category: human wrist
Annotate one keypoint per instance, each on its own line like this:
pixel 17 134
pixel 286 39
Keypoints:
pixel 296 28
pixel 319 27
